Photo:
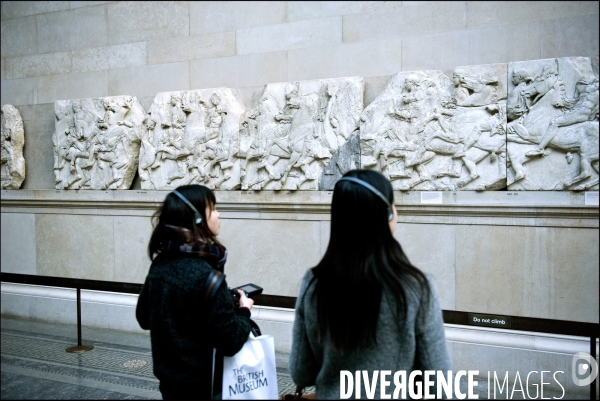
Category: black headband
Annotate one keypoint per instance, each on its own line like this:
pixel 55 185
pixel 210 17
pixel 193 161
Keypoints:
pixel 375 191
pixel 197 214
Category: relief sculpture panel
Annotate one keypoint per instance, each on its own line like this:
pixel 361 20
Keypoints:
pixel 13 140
pixel 191 137
pixel 427 132
pixel 530 125
pixel 97 142
pixel 552 112
pixel 300 136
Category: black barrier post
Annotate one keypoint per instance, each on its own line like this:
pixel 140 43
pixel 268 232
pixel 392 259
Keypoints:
pixel 79 348
pixel 593 354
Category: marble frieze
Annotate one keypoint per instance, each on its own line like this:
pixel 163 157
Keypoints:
pixel 13 141
pixel 192 137
pixel 428 132
pixel 552 113
pixel 530 125
pixel 97 142
pixel 302 135
pixel 299 135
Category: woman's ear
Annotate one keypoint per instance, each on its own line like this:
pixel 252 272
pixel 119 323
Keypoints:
pixel 394 220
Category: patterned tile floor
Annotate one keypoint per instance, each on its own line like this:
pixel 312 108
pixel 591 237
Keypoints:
pixel 36 366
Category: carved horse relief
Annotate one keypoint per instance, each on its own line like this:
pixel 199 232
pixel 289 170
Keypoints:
pixel 195 138
pixel 302 125
pixel 424 135
pixel 558 134
pixel 96 142
pixel 13 141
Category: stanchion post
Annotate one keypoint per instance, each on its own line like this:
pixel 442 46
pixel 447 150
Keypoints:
pixel 79 348
pixel 593 354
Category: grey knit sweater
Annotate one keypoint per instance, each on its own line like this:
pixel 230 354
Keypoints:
pixel 417 342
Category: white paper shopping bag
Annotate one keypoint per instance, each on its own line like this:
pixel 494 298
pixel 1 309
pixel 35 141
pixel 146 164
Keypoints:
pixel 251 373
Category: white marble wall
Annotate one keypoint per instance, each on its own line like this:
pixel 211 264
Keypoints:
pixel 487 251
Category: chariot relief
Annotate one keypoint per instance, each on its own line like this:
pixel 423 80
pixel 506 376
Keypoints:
pixel 427 132
pixel 96 142
pixel 289 141
pixel 192 137
pixel 13 140
pixel 552 112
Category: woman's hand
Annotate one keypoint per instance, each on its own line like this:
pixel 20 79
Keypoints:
pixel 244 301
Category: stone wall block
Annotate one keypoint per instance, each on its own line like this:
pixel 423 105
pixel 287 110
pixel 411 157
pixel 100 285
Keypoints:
pixel 18 243
pixel 130 21
pixel 292 35
pixel 570 37
pixel 75 85
pixel 239 71
pixel 210 45
pixel 408 20
pixel 248 259
pixel 372 58
pixel 38 121
pixel 70 30
pixel 553 125
pixel 79 4
pixel 35 66
pixel 299 10
pixel 442 51
pixel 18 37
pixel 76 246
pixel 441 265
pixel 495 13
pixel 144 81
pixel 15 9
pixel 572 277
pixel 445 51
pixel 103 58
pixel 504 44
pixel 19 91
pixel 543 257
pixel 210 16
pixel 97 142
pixel 12 169
pixel 132 235
pixel 2 70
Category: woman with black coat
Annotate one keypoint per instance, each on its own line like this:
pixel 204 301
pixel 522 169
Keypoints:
pixel 185 302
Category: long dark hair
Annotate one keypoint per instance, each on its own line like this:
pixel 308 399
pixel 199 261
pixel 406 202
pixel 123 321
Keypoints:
pixel 175 212
pixel 362 259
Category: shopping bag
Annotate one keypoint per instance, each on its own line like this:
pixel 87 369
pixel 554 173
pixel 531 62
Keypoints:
pixel 251 373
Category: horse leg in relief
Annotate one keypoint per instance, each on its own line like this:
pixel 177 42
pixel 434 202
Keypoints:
pixel 586 172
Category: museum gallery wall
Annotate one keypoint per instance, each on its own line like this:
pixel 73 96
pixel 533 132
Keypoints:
pixel 530 125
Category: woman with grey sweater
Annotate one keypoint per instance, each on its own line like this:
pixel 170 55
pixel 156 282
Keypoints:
pixel 365 310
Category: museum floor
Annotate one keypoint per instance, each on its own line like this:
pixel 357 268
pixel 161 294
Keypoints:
pixel 36 366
